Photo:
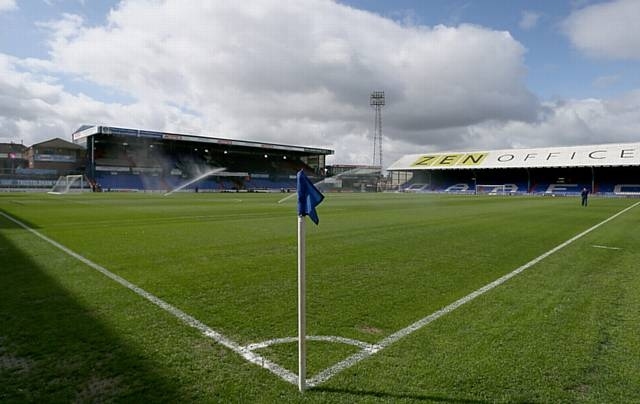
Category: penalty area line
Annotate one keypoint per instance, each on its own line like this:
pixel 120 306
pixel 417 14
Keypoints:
pixel 247 354
pixel 385 342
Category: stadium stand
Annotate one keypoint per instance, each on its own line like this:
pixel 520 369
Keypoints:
pixel 610 170
pixel 132 159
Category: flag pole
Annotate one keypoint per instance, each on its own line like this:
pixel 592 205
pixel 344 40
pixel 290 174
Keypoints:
pixel 308 198
pixel 302 351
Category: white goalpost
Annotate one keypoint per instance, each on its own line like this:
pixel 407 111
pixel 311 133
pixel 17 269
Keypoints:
pixel 490 189
pixel 68 183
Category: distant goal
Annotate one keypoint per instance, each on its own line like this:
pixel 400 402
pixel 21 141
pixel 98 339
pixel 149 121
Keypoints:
pixel 68 183
pixel 489 189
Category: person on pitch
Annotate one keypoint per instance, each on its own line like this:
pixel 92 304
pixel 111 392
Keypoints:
pixel 585 195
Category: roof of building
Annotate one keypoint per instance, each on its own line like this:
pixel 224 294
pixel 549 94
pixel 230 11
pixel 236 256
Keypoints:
pixel 618 154
pixel 90 130
pixel 57 143
pixel 12 147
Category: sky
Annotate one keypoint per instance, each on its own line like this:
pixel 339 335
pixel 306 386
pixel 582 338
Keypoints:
pixel 458 75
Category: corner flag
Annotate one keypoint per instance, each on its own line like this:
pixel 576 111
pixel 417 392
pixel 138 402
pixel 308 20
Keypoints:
pixel 308 197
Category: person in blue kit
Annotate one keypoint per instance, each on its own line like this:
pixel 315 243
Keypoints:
pixel 585 195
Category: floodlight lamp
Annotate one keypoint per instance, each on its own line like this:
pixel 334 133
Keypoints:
pixel 377 98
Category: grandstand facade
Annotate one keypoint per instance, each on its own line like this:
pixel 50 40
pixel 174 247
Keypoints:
pixel 606 169
pixel 134 159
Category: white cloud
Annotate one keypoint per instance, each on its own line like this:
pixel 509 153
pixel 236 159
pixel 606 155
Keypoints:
pixel 8 5
pixel 35 107
pixel 529 20
pixel 609 30
pixel 571 122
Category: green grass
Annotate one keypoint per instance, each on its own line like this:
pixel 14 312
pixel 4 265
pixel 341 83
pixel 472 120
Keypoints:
pixel 565 330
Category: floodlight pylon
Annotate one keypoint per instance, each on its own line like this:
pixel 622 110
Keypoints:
pixel 377 101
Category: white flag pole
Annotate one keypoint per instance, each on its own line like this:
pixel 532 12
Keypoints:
pixel 302 351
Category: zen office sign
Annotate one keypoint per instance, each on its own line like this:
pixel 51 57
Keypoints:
pixel 575 156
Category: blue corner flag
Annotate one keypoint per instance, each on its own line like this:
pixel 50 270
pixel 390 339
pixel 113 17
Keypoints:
pixel 308 197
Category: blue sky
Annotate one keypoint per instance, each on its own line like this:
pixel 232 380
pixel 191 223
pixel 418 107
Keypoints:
pixel 20 35
pixel 475 74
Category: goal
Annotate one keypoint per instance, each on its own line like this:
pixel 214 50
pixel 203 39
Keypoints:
pixel 487 189
pixel 68 183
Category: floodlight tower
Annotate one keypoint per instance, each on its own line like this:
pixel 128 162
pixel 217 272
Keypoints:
pixel 377 102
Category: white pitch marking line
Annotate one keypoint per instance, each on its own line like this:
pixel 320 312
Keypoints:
pixel 276 369
pixel 606 247
pixel 287 198
pixel 359 356
pixel 324 338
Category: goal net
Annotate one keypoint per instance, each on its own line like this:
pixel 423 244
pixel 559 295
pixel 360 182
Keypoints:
pixel 68 183
pixel 487 189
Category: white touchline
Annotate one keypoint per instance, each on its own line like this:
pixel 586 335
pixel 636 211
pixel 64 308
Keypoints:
pixel 184 317
pixel 385 342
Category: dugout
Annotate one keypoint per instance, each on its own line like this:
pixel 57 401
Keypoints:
pixel 125 158
pixel 606 169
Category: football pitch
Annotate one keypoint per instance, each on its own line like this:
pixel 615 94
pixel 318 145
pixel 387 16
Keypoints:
pixel 410 298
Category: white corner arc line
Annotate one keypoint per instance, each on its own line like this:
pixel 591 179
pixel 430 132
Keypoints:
pixel 323 338
pixel 385 342
pixel 276 369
